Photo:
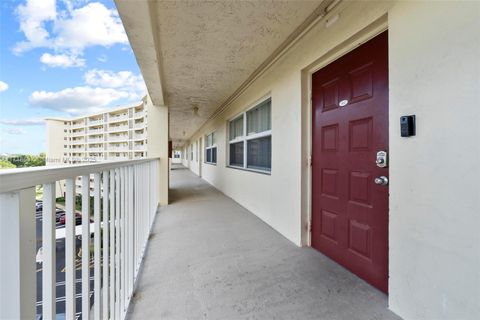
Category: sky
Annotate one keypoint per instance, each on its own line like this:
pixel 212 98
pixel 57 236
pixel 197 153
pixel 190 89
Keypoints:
pixel 60 58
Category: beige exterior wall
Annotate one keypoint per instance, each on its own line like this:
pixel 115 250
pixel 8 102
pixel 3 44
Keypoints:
pixel 54 142
pixel 434 193
pixel 158 144
pixel 434 200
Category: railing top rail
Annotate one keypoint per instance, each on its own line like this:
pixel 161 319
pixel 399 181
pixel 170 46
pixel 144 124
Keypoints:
pixel 17 179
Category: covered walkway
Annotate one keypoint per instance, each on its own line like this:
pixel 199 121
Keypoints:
pixel 210 258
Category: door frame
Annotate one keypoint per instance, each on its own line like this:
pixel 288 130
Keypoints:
pixel 330 56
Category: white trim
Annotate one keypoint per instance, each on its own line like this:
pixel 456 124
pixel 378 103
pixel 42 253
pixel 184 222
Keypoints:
pixel 245 137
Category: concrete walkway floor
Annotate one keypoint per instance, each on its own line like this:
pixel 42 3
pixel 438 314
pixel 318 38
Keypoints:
pixel 210 258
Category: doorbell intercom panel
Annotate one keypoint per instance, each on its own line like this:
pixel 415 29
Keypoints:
pixel 407 126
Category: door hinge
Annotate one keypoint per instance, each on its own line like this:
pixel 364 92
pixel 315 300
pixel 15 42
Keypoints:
pixel 309 161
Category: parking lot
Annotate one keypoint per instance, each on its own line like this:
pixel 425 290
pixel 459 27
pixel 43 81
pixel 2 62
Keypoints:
pixel 60 271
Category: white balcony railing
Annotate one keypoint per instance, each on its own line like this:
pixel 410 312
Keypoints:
pixel 118 118
pixel 139 136
pixel 128 192
pixel 118 138
pixel 117 128
pixel 77 133
pixel 139 147
pixel 94 122
pixel 100 130
pixel 78 125
pixel 139 114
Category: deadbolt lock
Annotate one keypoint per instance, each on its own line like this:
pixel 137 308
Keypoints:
pixel 382 159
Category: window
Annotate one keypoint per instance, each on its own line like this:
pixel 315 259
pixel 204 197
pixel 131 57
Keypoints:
pixel 250 139
pixel 210 149
pixel 191 152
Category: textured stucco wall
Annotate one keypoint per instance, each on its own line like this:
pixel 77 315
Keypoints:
pixel 434 52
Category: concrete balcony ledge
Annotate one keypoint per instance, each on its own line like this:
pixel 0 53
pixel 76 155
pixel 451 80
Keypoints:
pixel 210 258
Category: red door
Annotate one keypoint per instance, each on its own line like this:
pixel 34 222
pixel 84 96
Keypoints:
pixel 350 125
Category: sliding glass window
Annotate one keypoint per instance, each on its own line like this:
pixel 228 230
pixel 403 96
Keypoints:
pixel 210 149
pixel 250 139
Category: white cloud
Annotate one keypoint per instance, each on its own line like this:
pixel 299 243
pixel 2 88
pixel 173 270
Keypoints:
pixel 62 60
pixel 100 26
pixel 33 16
pixel 102 87
pixel 109 79
pixel 15 131
pixel 72 30
pixel 77 100
pixel 23 122
pixel 3 86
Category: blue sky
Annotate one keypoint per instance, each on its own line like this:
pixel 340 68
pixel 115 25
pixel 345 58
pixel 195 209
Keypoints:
pixel 60 58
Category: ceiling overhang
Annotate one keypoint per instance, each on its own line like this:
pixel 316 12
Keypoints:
pixel 196 56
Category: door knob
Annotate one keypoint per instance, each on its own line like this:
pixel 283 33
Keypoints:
pixel 382 180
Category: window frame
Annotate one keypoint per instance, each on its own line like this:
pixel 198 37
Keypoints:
pixel 244 138
pixel 211 147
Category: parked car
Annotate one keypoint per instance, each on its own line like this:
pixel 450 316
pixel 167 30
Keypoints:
pixel 38 206
pixel 78 219
pixel 59 213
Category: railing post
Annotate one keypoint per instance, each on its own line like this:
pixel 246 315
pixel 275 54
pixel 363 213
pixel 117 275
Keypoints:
pixel 49 252
pixel 17 247
pixel 97 305
pixel 85 246
pixel 105 248
pixel 70 249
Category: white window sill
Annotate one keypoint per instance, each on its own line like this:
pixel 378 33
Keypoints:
pixel 269 173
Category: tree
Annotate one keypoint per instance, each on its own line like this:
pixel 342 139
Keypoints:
pixel 5 164
pixel 27 160
pixel 18 160
pixel 35 161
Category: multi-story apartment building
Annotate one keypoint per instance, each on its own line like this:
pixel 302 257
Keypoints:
pixel 117 134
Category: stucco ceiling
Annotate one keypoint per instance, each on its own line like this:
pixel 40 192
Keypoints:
pixel 204 50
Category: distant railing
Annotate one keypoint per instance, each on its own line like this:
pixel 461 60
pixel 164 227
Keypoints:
pixel 94 122
pixel 99 130
pixel 139 136
pixel 118 118
pixel 78 125
pixel 118 128
pixel 118 138
pixel 125 200
pixel 139 114
pixel 139 147
pixel 77 133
